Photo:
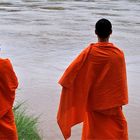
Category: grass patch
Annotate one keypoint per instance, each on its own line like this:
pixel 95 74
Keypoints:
pixel 27 126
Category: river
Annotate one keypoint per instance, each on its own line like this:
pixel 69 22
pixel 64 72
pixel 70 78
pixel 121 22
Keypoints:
pixel 41 37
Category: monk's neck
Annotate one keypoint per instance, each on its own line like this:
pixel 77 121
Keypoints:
pixel 103 40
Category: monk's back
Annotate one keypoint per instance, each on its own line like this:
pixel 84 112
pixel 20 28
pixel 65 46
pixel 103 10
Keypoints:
pixel 109 88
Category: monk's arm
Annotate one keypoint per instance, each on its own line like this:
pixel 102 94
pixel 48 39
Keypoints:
pixel 8 85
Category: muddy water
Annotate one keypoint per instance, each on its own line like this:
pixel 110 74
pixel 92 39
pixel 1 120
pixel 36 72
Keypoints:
pixel 42 37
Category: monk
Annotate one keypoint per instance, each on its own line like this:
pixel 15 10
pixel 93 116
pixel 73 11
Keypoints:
pixel 8 85
pixel 94 89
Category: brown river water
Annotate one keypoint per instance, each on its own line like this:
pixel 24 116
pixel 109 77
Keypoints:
pixel 42 37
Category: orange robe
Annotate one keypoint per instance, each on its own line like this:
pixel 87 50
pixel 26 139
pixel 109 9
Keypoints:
pixel 109 124
pixel 8 85
pixel 94 81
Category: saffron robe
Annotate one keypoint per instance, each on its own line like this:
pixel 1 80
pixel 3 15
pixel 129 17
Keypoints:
pixel 109 124
pixel 94 81
pixel 8 85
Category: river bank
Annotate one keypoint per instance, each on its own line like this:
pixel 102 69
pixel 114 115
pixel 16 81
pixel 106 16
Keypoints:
pixel 42 37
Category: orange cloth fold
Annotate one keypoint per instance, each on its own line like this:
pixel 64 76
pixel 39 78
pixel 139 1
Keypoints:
pixel 95 80
pixel 107 124
pixel 8 85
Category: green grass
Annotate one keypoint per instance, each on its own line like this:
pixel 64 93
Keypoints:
pixel 27 126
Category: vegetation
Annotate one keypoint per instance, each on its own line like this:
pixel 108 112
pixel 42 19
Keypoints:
pixel 26 125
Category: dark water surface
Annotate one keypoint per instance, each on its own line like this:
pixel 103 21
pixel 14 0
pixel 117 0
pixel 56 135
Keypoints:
pixel 42 37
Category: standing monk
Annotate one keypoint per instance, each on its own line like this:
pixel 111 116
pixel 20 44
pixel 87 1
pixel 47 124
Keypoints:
pixel 94 89
pixel 8 85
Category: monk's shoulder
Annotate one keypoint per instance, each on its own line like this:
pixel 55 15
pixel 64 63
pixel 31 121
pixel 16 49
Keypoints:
pixel 5 63
pixel 89 46
pixel 94 49
pixel 116 56
pixel 119 51
pixel 86 50
pixel 118 48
